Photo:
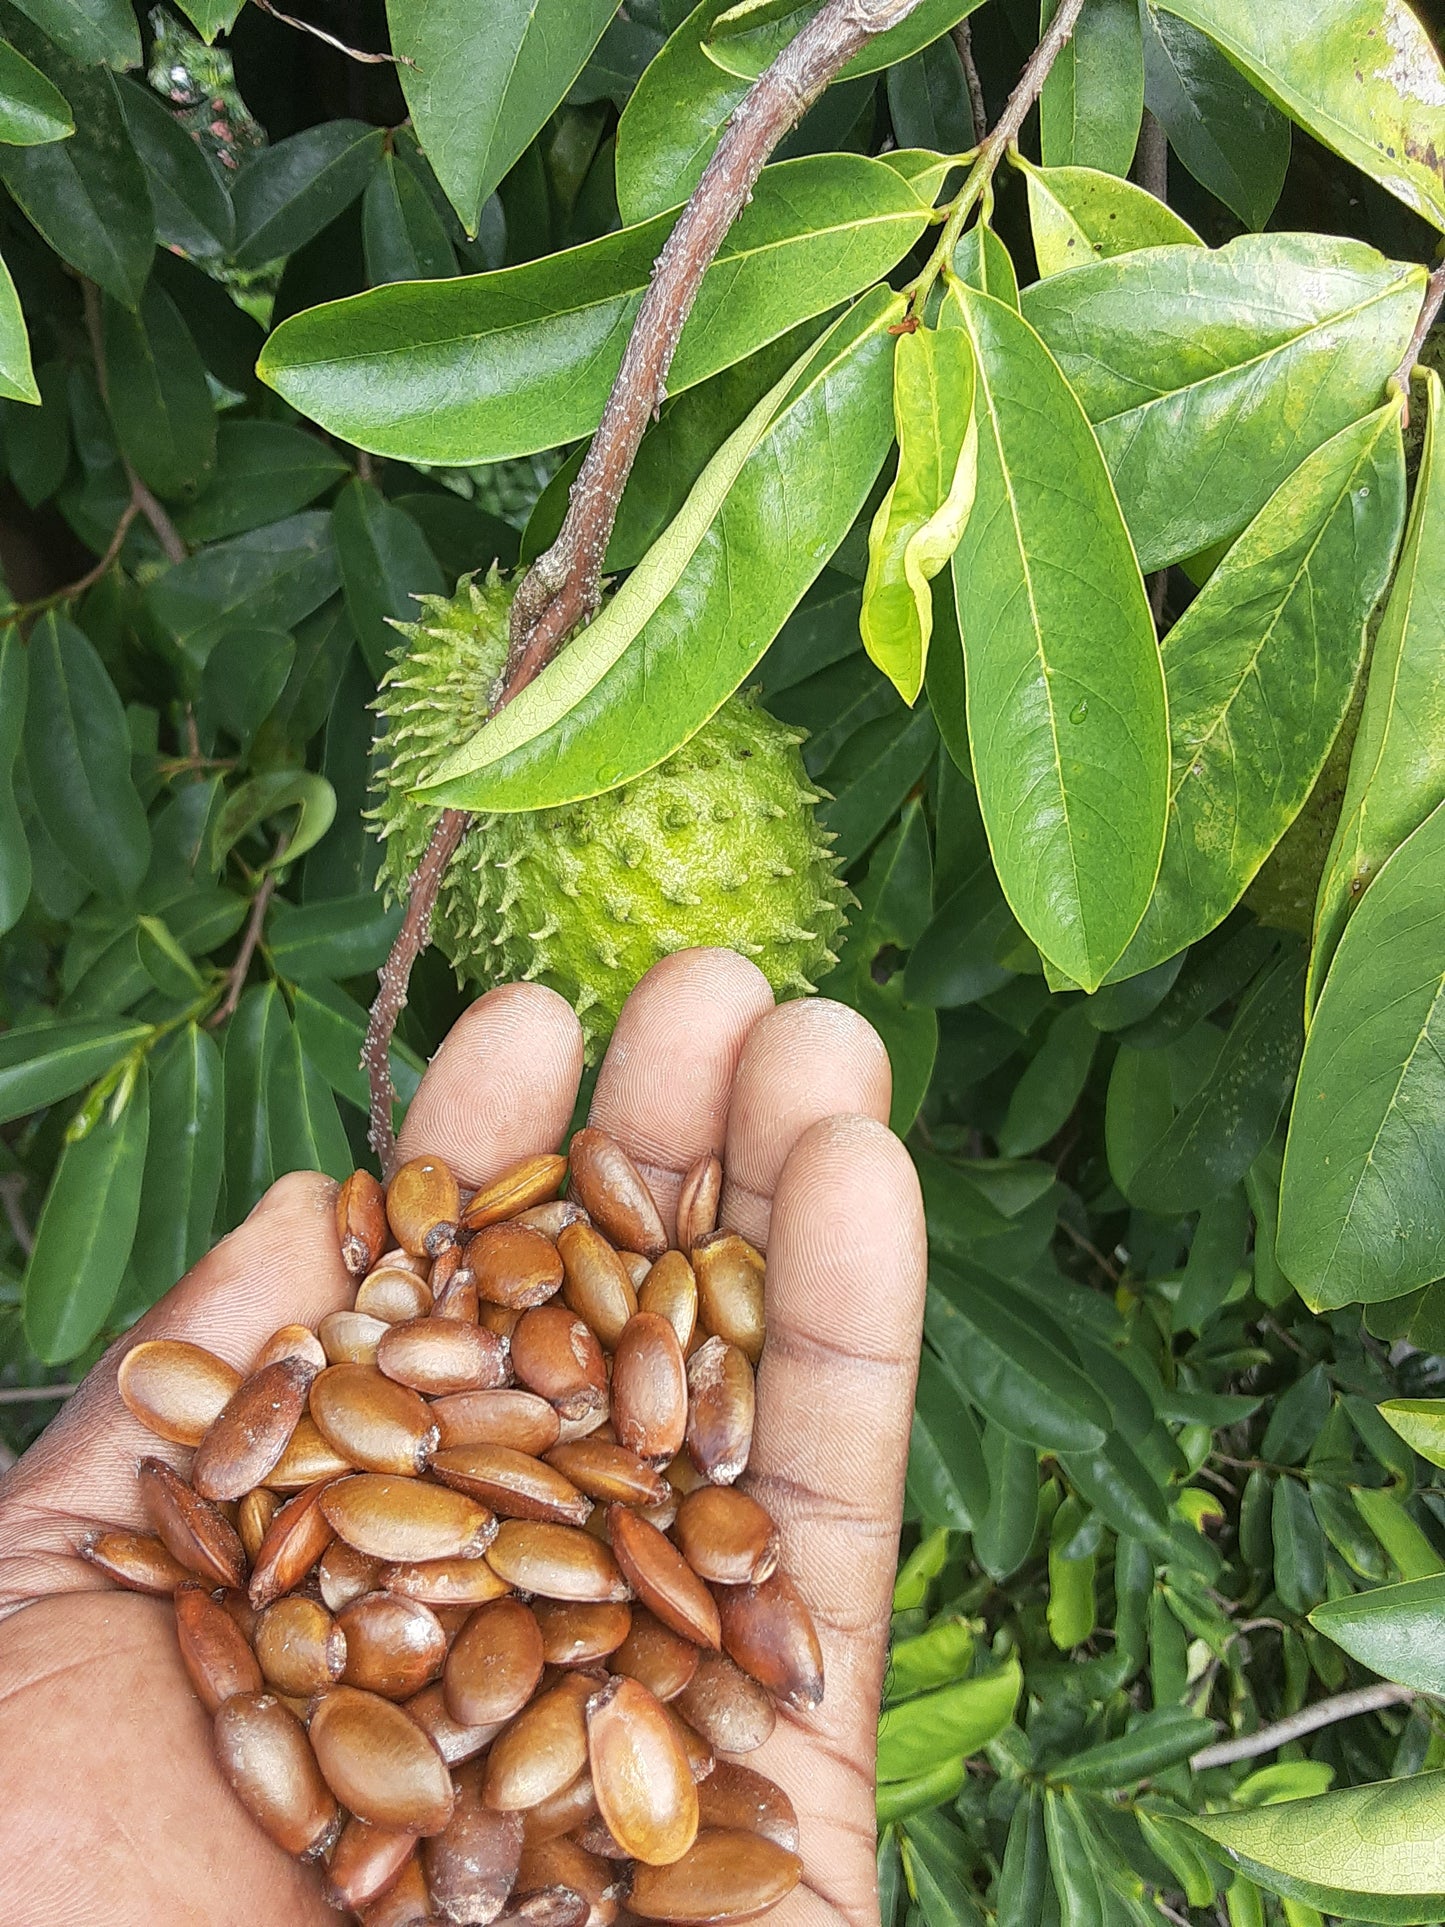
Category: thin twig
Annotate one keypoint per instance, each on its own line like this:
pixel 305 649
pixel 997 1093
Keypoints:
pixel 34 1394
pixel 240 969
pixel 71 590
pixel 1326 1712
pixel 1109 1269
pixel 1429 312
pixel 977 106
pixel 352 53
pixel 12 1189
pixel 1151 162
pixel 162 527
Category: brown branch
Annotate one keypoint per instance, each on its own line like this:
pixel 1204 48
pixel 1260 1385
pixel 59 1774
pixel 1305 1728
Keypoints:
pixel 1429 313
pixel 1326 1712
pixel 92 575
pixel 319 33
pixel 35 1394
pixel 977 107
pixel 251 937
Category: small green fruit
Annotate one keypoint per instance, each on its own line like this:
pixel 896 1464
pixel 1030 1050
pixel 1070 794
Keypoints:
pixel 718 845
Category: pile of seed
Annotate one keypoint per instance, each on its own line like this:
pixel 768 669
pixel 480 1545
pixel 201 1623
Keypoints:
pixel 463 1576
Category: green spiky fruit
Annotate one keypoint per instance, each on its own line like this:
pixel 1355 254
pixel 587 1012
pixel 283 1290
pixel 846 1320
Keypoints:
pixel 718 845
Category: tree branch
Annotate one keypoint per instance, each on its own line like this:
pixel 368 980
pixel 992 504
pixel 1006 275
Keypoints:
pixel 1429 313
pixel 977 107
pixel 240 969
pixel 1326 1712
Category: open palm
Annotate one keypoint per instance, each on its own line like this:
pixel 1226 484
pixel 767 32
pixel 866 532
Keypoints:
pixel 111 1809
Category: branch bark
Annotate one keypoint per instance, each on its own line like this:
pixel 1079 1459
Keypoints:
pixel 1326 1712
pixel 1429 314
pixel 977 107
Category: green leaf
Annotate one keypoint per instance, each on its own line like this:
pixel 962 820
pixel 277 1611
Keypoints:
pixel 402 233
pixel 78 756
pixel 1397 767
pixel 286 194
pixel 83 1239
pixel 1154 1742
pixel 928 100
pixel 1362 1207
pixel 1116 1483
pixel 183 1161
pixel 158 395
pixel 501 364
pixel 1373 1853
pixel 921 518
pixel 348 937
pixel 1046 1093
pixel 957 1719
pixel 933 1658
pixel 1386 1516
pixel 480 82
pixel 268 795
pixel 1228 135
pixel 270 579
pixel 947 1481
pixel 210 17
pixel 1093 98
pixel 385 564
pixel 15 871
pixel 164 961
pixel 305 1130
pixel 1209 374
pixel 1065 693
pixel 1083 1894
pixel 87 195
pixel 1023 1879
pixel 983 261
pixel 332 1027
pixel 1420 1422
pixel 746 38
pixel 44 1062
pixel 90 32
pixel 1079 215
pixel 876 768
pixel 191 199
pixel 263 471
pixel 1299 1547
pixel 243 678
pixel 1002 1538
pixel 255 1037
pixel 1295 1422
pixel 1363 78
pixel 693 618
pixel 1260 669
pixel 1397 1631
pixel 32 109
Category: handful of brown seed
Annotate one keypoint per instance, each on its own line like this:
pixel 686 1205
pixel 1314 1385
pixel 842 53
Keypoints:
pixel 464 1576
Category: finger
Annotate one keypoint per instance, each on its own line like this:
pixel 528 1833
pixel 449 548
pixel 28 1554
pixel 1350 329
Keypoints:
pixel 664 1086
pixel 846 1272
pixel 501 1086
pixel 803 1062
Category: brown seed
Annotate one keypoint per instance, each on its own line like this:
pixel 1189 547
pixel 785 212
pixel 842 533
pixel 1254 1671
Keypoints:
pixel 578 1633
pixel 399 1260
pixel 663 1514
pixel 493 1668
pixel 176 1390
pixel 394 1646
pixel 444 1582
pixel 649 1389
pixel 700 1756
pixel 351 1337
pixel 640 1773
pixel 245 1440
pixel 731 1712
pixel 135 1561
pixel 361 1222
pixel 596 1838
pixel 697 1201
pixel 605 1471
pixel 393 1295
pixel 725 1876
pixel 240 1609
pixel 730 1291
pixel 614 1192
pixel 737 1798
pixel 662 1578
pixel 595 1284
pixel 513 1266
pixel 345 1574
pixel 726 1537
pixel 521 1187
pixel 378 1425
pixel 512 1483
pixel 368 1860
pixel 543 1749
pixel 663 1660
pixel 406 1903
pixel 471 1866
pixel 253 1515
pixel 520 1420
pixel 264 1752
pixel 405 1520
pixel 308 1460
pixel 560 1867
pixel 637 1266
pixel 550 1219
pixel 379 1763
pixel 422 1205
pixel 559 1562
pixel 295 1539
pixel 501 1319
pixel 455 1743
pixel 670 1290
pixel 213 1647
pixel 571 1807
pixel 453 1287
pixel 585 1426
pixel 721 1403
pixel 682 1475
pixel 769 1631
pixel 291 1341
pixel 301 1648
pixel 559 1358
pixel 442 1355
pixel 194 1531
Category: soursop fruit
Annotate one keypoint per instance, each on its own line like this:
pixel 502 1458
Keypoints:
pixel 717 845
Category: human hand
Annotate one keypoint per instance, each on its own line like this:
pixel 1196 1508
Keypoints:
pixel 111 1806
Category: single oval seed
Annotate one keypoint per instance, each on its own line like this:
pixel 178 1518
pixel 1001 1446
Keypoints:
pixel 247 1438
pixel 730 1291
pixel 445 1582
pixel 662 1578
pixel 670 1290
pixel 361 1222
pixel 308 1460
pixel 567 1872
pixel 636 1265
pixel 501 1319
pixel 769 1631
pixel 393 1294
pixel 253 1515
pixel 454 1742
pixel 345 1574
pixel 558 1357
pixel 724 1876
pixel 295 1539
pixel 378 1425
pixel 571 1807
pixel 578 1632
pixel 697 1201
pixel 657 1656
pixel 543 1749
pixel 422 1206
pixel 404 1520
pixel 726 1537
pixel 494 1665
pixel 649 1389
pixel 292 1341
pixel 213 1647
pixel 301 1648
pixel 512 1483
pixel 135 1561
pixel 264 1752
pixel 721 1402
pixel 379 1762
pixel 605 1471
pixel 604 1179
pixel 176 1390
pixel 731 1712
pixel 442 1355
pixel 471 1866
pixel 700 1756
pixel 521 1187
pixel 367 1861
pixel 640 1774
pixel 394 1645
pixel 406 1902
pixel 595 1284
pixel 191 1528
pixel 558 1562
pixel 550 1219
pixel 739 1799
pixel 517 1419
pixel 351 1337
pixel 514 1266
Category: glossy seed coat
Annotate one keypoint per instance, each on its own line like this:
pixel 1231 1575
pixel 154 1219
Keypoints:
pixel 379 1763
pixel 175 1389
